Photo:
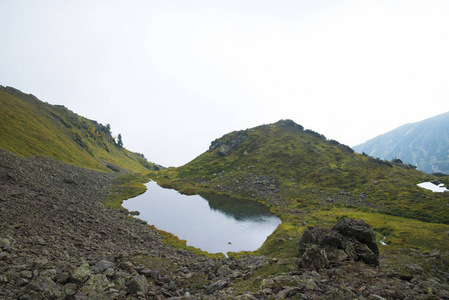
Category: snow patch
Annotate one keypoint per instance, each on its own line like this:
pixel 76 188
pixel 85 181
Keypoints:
pixel 433 187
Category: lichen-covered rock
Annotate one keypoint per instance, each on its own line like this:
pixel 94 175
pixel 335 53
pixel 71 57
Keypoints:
pixel 81 274
pixel 309 284
pixel 226 147
pixel 46 287
pixel 4 243
pixel 96 284
pixel 314 258
pixel 69 290
pixel 223 270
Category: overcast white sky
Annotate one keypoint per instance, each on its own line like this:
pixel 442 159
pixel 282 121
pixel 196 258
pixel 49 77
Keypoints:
pixel 171 76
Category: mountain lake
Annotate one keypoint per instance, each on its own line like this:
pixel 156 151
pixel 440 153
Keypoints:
pixel 212 223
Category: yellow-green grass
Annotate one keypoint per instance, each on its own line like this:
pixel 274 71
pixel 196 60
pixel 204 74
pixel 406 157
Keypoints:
pixel 126 187
pixel 400 232
pixel 174 241
pixel 30 127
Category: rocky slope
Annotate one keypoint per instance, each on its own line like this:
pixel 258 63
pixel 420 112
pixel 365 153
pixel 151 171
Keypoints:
pixel 423 144
pixel 58 241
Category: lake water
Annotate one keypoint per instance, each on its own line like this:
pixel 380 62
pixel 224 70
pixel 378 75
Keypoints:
pixel 212 223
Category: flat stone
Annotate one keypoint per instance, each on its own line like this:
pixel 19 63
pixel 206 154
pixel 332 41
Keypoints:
pixel 216 286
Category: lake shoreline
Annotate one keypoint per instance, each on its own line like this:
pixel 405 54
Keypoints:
pixel 205 221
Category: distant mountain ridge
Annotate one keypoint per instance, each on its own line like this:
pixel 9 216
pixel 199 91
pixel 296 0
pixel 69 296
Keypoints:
pixel 424 144
pixel 31 127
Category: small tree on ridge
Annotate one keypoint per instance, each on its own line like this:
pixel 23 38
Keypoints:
pixel 119 140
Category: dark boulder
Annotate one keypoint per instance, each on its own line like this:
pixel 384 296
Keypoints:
pixel 358 230
pixel 348 239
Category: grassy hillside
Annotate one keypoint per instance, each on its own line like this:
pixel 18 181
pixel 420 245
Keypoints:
pixel 307 179
pixel 30 127
pixel 424 144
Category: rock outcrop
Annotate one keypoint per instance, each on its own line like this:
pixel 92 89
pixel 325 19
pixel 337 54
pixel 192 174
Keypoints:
pixel 226 147
pixel 348 240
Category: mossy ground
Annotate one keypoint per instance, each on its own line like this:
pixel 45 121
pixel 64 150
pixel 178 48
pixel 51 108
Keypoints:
pixel 398 231
pixel 126 187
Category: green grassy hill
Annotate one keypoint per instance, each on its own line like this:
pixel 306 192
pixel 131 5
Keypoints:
pixel 307 179
pixel 31 127
pixel 423 144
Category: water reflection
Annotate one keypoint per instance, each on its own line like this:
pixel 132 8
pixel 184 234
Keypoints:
pixel 238 209
pixel 218 224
